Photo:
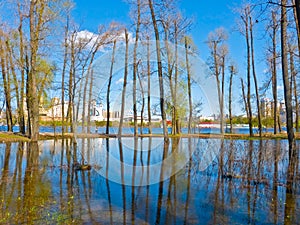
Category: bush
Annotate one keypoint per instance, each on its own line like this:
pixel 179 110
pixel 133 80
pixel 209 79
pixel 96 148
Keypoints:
pixel 103 123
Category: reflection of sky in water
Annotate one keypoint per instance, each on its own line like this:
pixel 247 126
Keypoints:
pixel 192 195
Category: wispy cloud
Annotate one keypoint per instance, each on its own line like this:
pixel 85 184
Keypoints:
pixel 89 39
pixel 120 81
pixel 280 88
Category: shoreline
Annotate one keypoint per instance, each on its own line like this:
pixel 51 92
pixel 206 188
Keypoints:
pixel 15 137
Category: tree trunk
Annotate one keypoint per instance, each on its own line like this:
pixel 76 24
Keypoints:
pixel 222 95
pixel 63 77
pixel 232 72
pixel 143 102
pixel 135 65
pixel 90 100
pixel 6 86
pixel 149 86
pixel 170 75
pixel 10 65
pixel 297 4
pixel 84 106
pixel 35 22
pixel 294 86
pixel 244 98
pixel 297 21
pixel 217 74
pixel 254 76
pixel 176 117
pixel 274 70
pixel 22 71
pixel 189 86
pixel 70 111
pixel 248 73
pixel 108 87
pixel 160 72
pixel 124 85
pixel 28 131
pixel 285 77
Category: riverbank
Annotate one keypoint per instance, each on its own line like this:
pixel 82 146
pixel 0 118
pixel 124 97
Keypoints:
pixel 15 137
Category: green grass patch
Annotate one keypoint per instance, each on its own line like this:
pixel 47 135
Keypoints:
pixel 103 123
pixel 10 137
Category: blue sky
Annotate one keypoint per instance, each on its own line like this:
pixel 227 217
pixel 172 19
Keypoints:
pixel 208 15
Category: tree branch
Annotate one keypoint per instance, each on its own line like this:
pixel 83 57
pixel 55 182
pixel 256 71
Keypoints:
pixel 279 4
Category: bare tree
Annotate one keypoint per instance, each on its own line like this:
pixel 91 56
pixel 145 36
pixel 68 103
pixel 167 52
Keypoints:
pixel 296 11
pixel 273 29
pixel 186 44
pixel 149 86
pixel 233 71
pixel 160 70
pixel 244 97
pixel 218 54
pixel 135 66
pixel 251 24
pixel 36 23
pixel 6 82
pixel 245 14
pixel 293 83
pixel 63 75
pixel 124 84
pixel 286 83
pixel 109 86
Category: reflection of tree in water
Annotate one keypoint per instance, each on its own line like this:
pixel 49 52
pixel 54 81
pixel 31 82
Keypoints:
pixel 244 189
pixel 27 195
pixel 245 183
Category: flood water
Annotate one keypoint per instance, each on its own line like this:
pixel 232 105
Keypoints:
pixel 149 181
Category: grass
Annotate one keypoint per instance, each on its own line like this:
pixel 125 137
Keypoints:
pixel 12 137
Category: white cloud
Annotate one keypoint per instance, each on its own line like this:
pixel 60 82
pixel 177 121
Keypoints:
pixel 90 38
pixel 121 80
pixel 280 88
pixel 86 37
pixel 121 37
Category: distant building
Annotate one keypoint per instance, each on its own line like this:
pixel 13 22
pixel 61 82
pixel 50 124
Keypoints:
pixel 54 111
pixel 208 118
pixel 267 107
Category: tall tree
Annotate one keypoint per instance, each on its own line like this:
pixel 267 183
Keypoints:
pixel 245 14
pixel 218 54
pixel 63 75
pixel 135 66
pixel 293 83
pixel 149 85
pixel 160 70
pixel 109 86
pixel 273 29
pixel 285 77
pixel 244 97
pixel 124 83
pixel 36 23
pixel 296 11
pixel 233 71
pixel 188 70
pixel 21 66
pixel 6 83
pixel 251 24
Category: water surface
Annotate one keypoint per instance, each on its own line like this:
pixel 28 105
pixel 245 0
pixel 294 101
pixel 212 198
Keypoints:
pixel 147 181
